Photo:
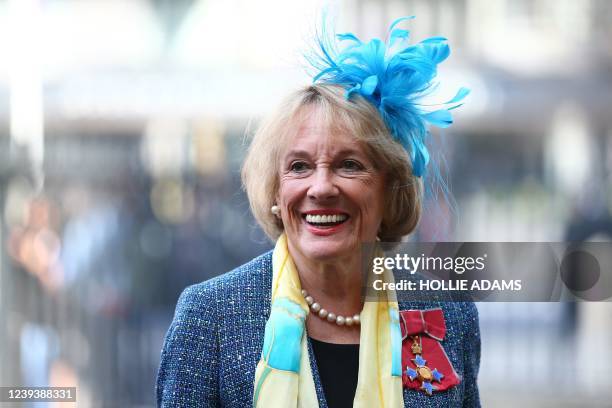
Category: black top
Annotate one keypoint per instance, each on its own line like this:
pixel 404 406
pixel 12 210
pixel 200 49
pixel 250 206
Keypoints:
pixel 338 369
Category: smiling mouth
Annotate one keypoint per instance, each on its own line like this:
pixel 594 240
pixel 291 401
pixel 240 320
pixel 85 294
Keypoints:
pixel 325 220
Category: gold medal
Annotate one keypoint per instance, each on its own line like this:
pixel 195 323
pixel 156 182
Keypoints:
pixel 421 372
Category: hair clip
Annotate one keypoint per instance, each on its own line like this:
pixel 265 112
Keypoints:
pixel 394 76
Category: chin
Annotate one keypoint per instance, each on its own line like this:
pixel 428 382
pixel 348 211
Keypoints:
pixel 325 249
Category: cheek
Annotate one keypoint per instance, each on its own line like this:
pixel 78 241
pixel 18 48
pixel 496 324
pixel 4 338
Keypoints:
pixel 373 192
pixel 372 199
pixel 290 194
pixel 287 192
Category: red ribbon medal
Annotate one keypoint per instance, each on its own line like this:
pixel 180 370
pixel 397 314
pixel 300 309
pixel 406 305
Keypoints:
pixel 425 364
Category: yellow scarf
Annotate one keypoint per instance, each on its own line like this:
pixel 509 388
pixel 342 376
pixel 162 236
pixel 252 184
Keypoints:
pixel 283 377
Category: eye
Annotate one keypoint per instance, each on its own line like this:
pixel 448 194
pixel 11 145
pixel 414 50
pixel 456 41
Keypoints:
pixel 352 165
pixel 299 166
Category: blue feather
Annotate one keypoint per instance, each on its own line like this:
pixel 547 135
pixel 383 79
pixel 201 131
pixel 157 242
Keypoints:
pixel 461 94
pixel 398 33
pixel 399 20
pixel 393 76
pixel 441 118
pixel 368 86
pixel 455 107
pixel 348 36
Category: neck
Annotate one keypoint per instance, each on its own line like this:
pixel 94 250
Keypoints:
pixel 335 284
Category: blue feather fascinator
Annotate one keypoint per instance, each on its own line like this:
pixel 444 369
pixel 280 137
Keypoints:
pixel 394 76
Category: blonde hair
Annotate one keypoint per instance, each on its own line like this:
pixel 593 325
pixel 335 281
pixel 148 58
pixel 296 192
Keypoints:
pixel 260 172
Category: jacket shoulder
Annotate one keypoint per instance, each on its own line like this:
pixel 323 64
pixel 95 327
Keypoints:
pixel 207 315
pixel 254 271
pixel 245 289
pixel 253 277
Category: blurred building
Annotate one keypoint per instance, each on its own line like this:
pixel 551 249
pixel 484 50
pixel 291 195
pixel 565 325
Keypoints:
pixel 122 130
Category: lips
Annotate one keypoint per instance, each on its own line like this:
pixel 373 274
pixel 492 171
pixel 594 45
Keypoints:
pixel 325 218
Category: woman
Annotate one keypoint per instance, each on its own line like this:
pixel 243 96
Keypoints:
pixel 339 165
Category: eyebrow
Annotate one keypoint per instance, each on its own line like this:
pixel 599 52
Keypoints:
pixel 297 153
pixel 304 153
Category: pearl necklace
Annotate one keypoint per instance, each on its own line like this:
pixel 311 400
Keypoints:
pixel 330 317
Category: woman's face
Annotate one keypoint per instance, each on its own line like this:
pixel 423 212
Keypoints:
pixel 331 195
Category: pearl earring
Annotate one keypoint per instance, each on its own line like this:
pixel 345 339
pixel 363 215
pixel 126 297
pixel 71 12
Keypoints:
pixel 275 210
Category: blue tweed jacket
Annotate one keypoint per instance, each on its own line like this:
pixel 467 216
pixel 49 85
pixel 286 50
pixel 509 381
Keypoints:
pixel 214 343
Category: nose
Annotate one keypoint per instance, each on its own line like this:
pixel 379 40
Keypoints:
pixel 323 187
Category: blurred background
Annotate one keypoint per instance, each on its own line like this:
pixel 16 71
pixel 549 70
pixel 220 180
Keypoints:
pixel 123 125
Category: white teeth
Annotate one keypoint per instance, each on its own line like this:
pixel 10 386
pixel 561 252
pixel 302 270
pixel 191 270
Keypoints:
pixel 323 219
